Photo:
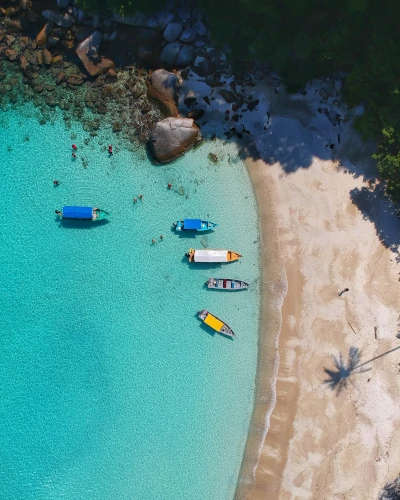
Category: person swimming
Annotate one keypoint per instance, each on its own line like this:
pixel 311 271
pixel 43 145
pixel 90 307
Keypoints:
pixel 74 147
pixel 110 149
pixel 56 183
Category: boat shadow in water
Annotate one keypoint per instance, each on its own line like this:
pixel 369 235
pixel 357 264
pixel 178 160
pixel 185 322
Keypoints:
pixel 81 224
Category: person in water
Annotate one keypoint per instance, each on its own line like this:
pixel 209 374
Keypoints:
pixel 110 149
pixel 56 183
pixel 58 212
pixel 74 147
pixel 169 185
pixel 73 155
pixel 134 200
pixel 140 197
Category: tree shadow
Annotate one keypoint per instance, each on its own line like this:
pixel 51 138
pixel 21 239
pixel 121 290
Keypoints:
pixel 376 207
pixel 339 377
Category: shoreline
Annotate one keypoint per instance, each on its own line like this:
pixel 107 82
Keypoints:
pixel 273 283
pixel 319 227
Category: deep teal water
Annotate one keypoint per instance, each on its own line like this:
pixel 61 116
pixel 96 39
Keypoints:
pixel 110 386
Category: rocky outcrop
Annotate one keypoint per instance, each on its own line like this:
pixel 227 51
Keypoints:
pixel 88 53
pixel 163 88
pixel 171 137
pixel 65 21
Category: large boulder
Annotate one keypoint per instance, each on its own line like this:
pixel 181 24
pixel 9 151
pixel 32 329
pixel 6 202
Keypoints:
pixel 173 31
pixel 185 56
pixel 163 87
pixel 171 137
pixel 88 53
pixel 170 53
pixel 188 35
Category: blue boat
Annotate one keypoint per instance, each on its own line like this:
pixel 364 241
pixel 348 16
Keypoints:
pixel 194 225
pixel 82 213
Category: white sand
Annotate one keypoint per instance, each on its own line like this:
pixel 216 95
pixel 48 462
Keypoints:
pixel 321 444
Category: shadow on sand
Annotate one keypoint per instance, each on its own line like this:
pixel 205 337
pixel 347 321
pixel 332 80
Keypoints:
pixel 339 377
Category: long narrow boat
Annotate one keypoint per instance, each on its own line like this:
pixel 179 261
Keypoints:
pixel 194 225
pixel 82 213
pixel 210 255
pixel 226 284
pixel 215 323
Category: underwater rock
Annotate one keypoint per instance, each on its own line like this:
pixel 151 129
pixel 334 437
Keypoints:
pixel 163 88
pixel 44 33
pixel 196 114
pixel 47 57
pixel 185 56
pixel 228 96
pixel 171 137
pixel 212 157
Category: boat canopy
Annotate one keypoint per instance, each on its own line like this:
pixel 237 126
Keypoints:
pixel 77 213
pixel 211 255
pixel 192 223
pixel 213 322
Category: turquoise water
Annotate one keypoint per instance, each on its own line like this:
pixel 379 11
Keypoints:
pixel 111 388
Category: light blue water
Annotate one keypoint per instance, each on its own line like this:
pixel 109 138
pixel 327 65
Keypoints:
pixel 111 388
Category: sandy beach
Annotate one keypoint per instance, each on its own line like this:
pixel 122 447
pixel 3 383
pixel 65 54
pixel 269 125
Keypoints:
pixel 334 431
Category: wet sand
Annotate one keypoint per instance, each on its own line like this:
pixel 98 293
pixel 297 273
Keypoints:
pixel 334 432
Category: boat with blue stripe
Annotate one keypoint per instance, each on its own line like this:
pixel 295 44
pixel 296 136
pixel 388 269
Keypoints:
pixel 82 213
pixel 194 225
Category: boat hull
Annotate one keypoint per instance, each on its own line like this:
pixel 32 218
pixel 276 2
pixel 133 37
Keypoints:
pixel 202 225
pixel 215 323
pixel 227 284
pixel 82 213
pixel 212 255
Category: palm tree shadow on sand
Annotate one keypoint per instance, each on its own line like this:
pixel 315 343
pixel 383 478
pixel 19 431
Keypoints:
pixel 340 376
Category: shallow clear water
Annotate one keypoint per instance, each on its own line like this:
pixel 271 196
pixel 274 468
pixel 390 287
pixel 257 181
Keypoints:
pixel 110 385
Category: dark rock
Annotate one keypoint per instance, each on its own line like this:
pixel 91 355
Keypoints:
pixel 205 68
pixel 11 54
pixel 171 137
pixel 229 96
pixel 235 118
pixel 53 41
pixel 88 53
pixel 212 82
pixel 60 77
pixel 184 13
pixel 170 53
pixel 190 102
pixel 75 80
pixel 82 32
pixel 185 73
pixel 196 114
pixel 163 87
pixel 185 57
pixel 173 31
pixel 66 21
pixel 145 53
pixel 188 35
pixel 212 157
pixel 206 100
pixel 200 43
pixel 44 33
pixel 116 127
pixel 147 37
pixel 252 104
pixel 47 57
pixel 159 20
pixel 200 28
pixel 31 16
pixel 232 85
pixel 10 39
pixel 111 76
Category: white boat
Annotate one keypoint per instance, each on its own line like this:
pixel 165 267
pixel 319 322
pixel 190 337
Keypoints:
pixel 212 255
